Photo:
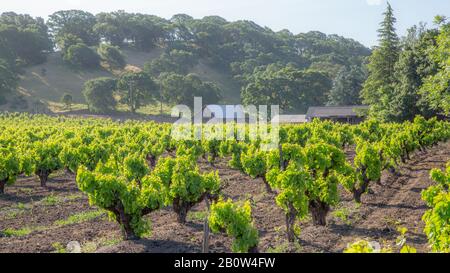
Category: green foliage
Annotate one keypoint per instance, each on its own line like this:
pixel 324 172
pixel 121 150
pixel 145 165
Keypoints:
pixel 309 184
pixel 10 166
pixel 179 89
pixel 8 79
pixel 64 42
pixel 45 158
pixel 130 168
pixel 236 221
pixel 75 22
pixel 254 162
pixel 98 94
pixel 293 89
pixel 347 87
pixel 235 149
pixel 137 89
pixel 140 31
pixel 361 246
pixel 67 99
pixel 186 187
pixel 112 55
pixel 111 187
pixel 367 158
pixel 80 218
pixel 176 61
pixel 81 56
pixel 407 103
pixel 24 39
pixel 368 167
pixel 436 88
pixel 17 232
pixel 437 218
pixel 59 248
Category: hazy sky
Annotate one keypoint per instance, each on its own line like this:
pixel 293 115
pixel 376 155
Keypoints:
pixel 358 19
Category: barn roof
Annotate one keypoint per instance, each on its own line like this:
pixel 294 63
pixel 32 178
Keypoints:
pixel 291 119
pixel 335 111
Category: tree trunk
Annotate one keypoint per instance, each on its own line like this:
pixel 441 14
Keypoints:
pixel 290 222
pixel 282 162
pixel 253 250
pixel 267 185
pixel 181 211
pixel 182 208
pixel 205 243
pixel 403 159
pixel 357 193
pixel 151 160
pixel 379 182
pixel 128 232
pixel 124 220
pixel 43 177
pixel 319 211
pixel 2 186
pixel 213 159
pixel 392 170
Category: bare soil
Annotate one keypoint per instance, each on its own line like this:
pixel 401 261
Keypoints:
pixel 393 204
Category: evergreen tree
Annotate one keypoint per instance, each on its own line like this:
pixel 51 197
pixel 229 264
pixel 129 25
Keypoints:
pixel 412 68
pixel 379 88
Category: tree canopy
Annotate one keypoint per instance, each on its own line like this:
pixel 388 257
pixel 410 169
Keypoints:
pixel 99 94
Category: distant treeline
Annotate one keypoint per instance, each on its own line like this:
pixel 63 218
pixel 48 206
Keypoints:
pixel 242 49
pixel 293 70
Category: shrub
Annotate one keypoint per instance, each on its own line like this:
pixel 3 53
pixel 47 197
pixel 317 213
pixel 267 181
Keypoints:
pixel 99 94
pixel 112 55
pixel 67 99
pixel 237 222
pixel 82 56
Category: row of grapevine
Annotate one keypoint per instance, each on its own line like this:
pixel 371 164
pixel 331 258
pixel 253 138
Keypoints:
pixel 437 218
pixel 134 168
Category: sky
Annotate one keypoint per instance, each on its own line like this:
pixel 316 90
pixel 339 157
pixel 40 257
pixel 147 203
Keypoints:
pixel 357 19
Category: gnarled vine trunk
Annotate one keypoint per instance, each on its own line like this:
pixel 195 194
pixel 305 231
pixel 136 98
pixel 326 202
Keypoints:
pixel 358 192
pixel 253 250
pixel 151 160
pixel 2 186
pixel 267 185
pixel 182 208
pixel 213 159
pixel 124 220
pixel 319 211
pixel 206 229
pixel 43 177
pixel 290 223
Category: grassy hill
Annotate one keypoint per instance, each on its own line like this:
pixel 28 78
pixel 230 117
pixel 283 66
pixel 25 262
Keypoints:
pixel 49 81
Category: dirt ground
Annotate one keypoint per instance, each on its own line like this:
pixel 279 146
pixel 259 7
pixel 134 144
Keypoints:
pixel 33 219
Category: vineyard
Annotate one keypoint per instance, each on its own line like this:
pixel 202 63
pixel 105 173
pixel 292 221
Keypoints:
pixel 131 187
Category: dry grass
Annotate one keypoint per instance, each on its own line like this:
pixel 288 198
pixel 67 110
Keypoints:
pixel 50 81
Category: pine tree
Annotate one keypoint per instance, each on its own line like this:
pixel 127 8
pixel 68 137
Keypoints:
pixel 379 88
pixel 389 44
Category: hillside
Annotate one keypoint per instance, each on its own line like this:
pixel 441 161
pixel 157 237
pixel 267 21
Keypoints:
pixel 234 61
pixel 49 81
